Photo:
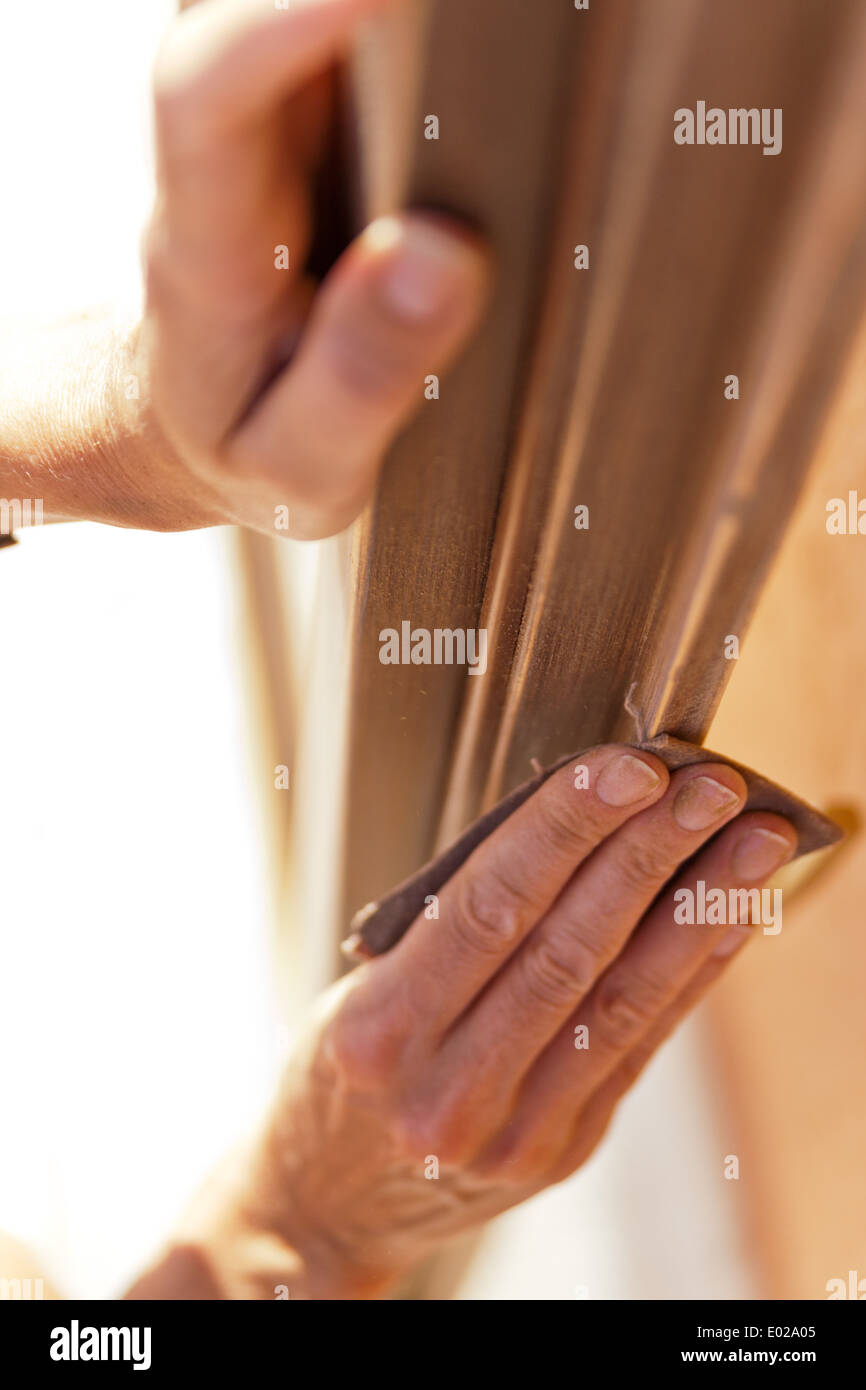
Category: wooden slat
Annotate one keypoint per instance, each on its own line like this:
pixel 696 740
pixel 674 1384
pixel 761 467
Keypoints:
pixel 602 387
pixel 706 262
pixel 496 73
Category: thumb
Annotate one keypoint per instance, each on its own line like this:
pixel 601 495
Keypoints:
pixel 394 310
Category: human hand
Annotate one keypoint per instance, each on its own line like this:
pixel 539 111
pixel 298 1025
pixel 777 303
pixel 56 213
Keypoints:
pixel 452 1078
pixel 260 393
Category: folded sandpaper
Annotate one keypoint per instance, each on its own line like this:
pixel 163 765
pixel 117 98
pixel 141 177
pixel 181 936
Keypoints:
pixel 379 926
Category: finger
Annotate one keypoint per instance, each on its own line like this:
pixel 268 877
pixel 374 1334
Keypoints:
pixel 665 952
pixel 232 177
pixel 586 929
pixel 645 981
pixel 589 1129
pixel 229 64
pixel 508 883
pixel 393 310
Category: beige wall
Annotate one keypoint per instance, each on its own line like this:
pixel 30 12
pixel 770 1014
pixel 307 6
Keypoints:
pixel 789 1023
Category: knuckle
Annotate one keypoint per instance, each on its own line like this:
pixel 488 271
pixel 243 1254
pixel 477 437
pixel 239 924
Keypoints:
pixel 564 823
pixel 627 1005
pixel 413 1133
pixel 646 866
pixel 366 1052
pixel 523 1162
pixel 440 1127
pixel 557 971
pixel 488 913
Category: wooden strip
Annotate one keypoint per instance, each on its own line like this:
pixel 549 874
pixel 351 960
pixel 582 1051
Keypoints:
pixel 760 272
pixel 601 387
pixel 496 73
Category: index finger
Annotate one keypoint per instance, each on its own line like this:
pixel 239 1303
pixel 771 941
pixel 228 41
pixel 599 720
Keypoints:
pixel 512 879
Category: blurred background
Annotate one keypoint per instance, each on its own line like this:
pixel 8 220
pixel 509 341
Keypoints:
pixel 135 985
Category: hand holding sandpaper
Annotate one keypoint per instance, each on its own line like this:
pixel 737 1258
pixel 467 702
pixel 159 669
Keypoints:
pixel 494 1040
pixel 379 925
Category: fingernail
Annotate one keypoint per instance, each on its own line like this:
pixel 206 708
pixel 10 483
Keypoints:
pixel 625 780
pixel 732 941
pixel 702 802
pixel 427 266
pixel 759 853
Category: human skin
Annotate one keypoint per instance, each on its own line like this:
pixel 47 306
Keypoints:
pixel 245 388
pixel 457 1045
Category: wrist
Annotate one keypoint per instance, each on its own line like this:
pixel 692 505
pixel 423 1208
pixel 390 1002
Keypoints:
pixel 143 481
pixel 240 1241
pixel 78 435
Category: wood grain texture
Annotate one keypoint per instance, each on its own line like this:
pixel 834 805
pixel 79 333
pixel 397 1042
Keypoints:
pixel 703 267
pixel 601 387
pixel 497 75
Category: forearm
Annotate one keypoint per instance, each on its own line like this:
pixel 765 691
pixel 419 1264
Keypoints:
pixel 242 1239
pixel 225 1266
pixel 77 436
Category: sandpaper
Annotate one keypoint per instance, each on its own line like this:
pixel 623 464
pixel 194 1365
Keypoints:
pixel 379 926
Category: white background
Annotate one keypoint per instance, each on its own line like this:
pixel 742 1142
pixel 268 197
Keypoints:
pixel 137 1019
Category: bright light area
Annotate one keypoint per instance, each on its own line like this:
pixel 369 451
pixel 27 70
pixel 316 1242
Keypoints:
pixel 138 1023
